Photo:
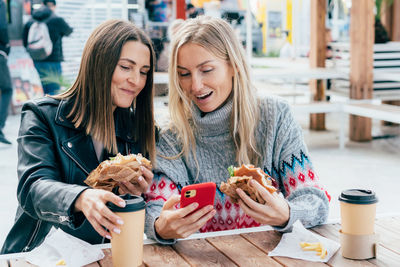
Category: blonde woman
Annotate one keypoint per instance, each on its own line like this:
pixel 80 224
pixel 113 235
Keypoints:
pixel 217 121
pixel 108 109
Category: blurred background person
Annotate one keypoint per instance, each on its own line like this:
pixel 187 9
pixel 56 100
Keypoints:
pixel 191 11
pixel 49 69
pixel 5 79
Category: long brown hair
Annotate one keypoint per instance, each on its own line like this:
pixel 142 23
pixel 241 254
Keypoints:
pixel 91 91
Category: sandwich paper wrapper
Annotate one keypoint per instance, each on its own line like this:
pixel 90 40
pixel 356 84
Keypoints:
pixel 289 246
pixel 58 245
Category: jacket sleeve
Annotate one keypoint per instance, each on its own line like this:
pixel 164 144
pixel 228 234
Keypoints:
pixel 41 192
pixel 65 29
pixel 25 33
pixel 308 201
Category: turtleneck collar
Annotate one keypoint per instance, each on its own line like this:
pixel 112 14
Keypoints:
pixel 213 123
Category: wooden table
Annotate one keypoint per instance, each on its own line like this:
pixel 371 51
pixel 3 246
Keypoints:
pixel 250 249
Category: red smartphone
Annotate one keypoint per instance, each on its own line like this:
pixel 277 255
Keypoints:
pixel 203 193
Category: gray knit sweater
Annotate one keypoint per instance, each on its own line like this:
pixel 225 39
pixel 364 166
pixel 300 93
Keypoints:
pixel 284 157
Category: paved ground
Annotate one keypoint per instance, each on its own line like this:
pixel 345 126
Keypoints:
pixel 373 165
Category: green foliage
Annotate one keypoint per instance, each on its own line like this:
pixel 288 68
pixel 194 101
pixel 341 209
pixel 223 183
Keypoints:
pixel 53 77
pixel 273 54
pixel 231 171
pixel 378 4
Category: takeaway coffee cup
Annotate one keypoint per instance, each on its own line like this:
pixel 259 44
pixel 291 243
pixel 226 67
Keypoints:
pixel 357 211
pixel 127 247
pixel 357 236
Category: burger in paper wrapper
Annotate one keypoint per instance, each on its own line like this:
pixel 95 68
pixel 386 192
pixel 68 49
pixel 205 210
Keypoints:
pixel 241 177
pixel 118 169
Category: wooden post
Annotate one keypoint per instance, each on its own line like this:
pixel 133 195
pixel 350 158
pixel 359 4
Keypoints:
pixel 361 63
pixel 394 36
pixel 317 58
pixel 386 17
pixel 396 21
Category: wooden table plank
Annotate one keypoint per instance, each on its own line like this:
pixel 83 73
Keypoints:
pixel 4 263
pixel 235 245
pixel 107 260
pixel 388 238
pixel 158 255
pixel 390 223
pixel 209 256
pixel 386 258
pixel 268 240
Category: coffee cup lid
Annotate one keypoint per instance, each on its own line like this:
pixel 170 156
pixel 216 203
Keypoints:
pixel 133 203
pixel 358 196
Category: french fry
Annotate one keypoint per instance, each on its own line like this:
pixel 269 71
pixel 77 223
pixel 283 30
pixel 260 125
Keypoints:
pixel 323 253
pixel 317 247
pixel 61 262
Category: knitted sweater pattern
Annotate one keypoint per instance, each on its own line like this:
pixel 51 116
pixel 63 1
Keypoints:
pixel 284 156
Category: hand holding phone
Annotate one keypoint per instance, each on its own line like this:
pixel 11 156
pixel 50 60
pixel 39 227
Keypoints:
pixel 203 193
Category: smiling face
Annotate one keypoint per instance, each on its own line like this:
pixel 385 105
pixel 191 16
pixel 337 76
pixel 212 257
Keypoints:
pixel 205 78
pixel 130 74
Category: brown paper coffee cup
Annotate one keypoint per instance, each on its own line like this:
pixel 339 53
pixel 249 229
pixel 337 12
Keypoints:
pixel 357 211
pixel 127 247
pixel 358 247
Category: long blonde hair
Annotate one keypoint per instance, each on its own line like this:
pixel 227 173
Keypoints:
pixel 91 91
pixel 218 37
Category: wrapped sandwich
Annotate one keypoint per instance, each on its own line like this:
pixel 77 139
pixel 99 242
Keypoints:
pixel 118 169
pixel 241 177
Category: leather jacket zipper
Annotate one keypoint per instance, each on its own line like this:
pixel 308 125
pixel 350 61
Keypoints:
pixel 74 160
pixel 35 232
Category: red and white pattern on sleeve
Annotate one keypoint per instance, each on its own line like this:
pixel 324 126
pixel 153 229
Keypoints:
pixel 229 216
pixel 300 174
pixel 161 189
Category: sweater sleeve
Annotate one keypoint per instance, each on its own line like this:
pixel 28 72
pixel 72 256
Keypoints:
pixel 170 176
pixel 160 190
pixel 308 201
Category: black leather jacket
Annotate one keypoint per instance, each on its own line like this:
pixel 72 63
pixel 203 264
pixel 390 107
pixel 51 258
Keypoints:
pixel 54 158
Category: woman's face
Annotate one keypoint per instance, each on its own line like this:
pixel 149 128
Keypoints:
pixel 130 74
pixel 206 79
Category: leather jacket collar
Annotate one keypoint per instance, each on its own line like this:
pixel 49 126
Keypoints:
pixel 76 147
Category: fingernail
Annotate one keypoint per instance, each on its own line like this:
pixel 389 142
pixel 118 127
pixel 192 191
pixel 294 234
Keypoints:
pixel 195 205
pixel 251 182
pixel 108 237
pixel 142 168
pixel 120 222
pixel 117 230
pixel 140 178
pixel 122 204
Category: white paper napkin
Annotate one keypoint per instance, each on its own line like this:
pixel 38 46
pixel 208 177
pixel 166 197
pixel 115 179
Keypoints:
pixel 60 246
pixel 289 246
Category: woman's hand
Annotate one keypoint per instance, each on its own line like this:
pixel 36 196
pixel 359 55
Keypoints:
pixel 143 183
pixel 92 202
pixel 274 212
pixel 179 223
